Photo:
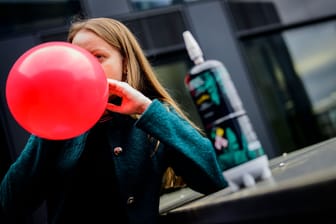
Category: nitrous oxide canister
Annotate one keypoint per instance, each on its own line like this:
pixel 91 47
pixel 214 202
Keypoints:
pixel 220 108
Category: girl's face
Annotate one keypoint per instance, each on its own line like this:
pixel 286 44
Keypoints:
pixel 108 56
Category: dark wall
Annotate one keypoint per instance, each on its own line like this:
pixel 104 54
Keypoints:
pixel 213 31
pixel 11 49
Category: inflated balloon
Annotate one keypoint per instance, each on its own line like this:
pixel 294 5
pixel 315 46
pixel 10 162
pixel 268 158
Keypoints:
pixel 56 90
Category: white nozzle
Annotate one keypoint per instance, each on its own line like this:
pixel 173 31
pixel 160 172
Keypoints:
pixel 194 50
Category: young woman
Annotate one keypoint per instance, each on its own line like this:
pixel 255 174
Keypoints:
pixel 115 170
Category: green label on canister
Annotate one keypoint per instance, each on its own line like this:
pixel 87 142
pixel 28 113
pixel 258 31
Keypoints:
pixel 223 116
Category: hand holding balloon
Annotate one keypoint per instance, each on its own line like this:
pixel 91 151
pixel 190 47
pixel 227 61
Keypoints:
pixel 133 101
pixel 56 90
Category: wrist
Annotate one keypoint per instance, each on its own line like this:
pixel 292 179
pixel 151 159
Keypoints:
pixel 145 105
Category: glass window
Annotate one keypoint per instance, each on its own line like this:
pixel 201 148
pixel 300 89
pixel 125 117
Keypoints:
pixel 313 52
pixel 139 5
pixel 250 14
pixel 33 15
pixel 294 73
pixel 171 73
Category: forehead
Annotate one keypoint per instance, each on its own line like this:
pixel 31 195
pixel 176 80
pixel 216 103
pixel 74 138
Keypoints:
pixel 86 37
pixel 92 42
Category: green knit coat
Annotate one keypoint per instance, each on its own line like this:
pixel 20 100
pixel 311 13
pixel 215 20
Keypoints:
pixel 46 168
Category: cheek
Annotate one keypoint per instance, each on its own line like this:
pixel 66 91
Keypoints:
pixel 112 72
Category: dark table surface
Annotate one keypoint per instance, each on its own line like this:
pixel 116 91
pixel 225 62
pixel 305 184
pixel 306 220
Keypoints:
pixel 302 188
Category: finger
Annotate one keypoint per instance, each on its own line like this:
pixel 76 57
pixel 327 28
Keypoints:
pixel 116 87
pixel 113 108
pixel 113 84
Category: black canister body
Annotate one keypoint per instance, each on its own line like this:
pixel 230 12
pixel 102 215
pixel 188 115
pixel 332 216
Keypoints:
pixel 222 113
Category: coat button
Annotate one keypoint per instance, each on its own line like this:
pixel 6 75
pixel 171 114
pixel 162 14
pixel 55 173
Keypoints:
pixel 130 200
pixel 117 150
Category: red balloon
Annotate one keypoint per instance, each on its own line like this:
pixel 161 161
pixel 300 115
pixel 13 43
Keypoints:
pixel 56 90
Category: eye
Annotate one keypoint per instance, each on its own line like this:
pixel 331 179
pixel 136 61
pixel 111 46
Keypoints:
pixel 99 57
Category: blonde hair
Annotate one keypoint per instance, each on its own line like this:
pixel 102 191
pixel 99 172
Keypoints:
pixel 140 74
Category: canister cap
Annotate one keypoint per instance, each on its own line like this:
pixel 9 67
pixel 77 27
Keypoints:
pixel 194 50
